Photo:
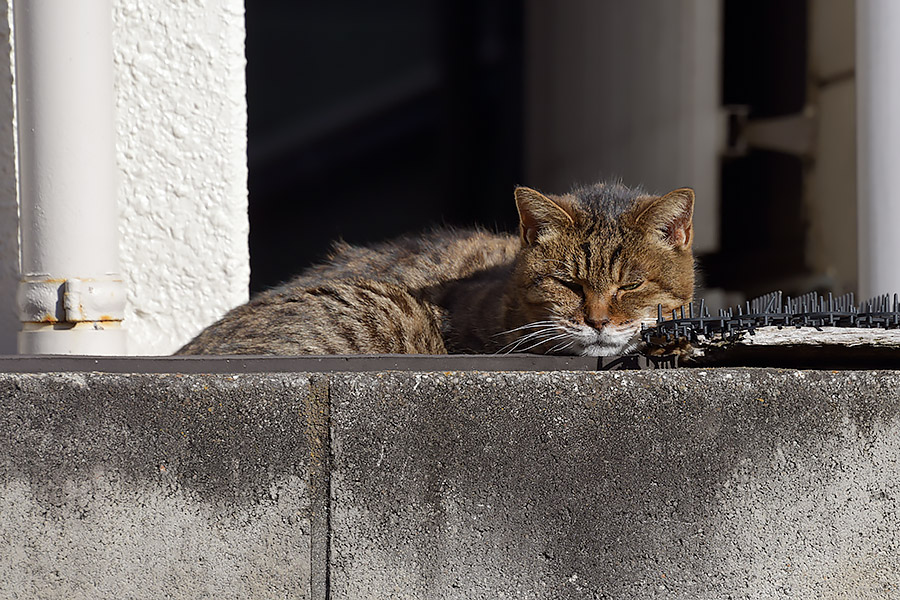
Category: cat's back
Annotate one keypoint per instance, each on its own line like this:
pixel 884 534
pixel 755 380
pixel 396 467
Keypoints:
pixel 362 299
pixel 413 261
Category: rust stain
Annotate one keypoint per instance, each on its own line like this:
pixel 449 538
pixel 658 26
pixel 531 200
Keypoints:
pixel 48 318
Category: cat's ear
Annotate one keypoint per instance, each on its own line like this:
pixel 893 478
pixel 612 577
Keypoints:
pixel 537 212
pixel 670 216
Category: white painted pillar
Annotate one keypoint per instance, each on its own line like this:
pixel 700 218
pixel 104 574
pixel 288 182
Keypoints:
pixel 71 297
pixel 878 131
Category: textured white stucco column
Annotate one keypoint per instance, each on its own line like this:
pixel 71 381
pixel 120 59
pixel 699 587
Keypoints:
pixel 878 157
pixel 182 147
pixel 181 158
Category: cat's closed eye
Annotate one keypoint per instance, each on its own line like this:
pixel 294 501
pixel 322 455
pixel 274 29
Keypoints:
pixel 631 286
pixel 575 287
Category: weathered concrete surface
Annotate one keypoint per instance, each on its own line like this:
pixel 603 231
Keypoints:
pixel 652 484
pixel 687 484
pixel 154 486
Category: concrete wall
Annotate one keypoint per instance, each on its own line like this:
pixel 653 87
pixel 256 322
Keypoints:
pixel 181 153
pixel 654 484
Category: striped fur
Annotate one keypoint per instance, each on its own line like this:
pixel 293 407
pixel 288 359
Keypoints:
pixel 587 269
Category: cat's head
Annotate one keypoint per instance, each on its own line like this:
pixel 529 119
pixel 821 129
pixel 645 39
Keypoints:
pixel 596 262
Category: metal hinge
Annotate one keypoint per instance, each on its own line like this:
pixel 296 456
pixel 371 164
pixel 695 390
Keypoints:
pixel 792 134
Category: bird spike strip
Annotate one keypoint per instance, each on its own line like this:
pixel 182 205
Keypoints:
pixel 772 310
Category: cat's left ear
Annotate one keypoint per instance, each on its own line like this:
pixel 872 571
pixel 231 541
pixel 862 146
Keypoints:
pixel 671 216
pixel 537 212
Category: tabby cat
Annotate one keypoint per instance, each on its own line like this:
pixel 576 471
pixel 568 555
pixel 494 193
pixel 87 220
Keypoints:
pixel 587 269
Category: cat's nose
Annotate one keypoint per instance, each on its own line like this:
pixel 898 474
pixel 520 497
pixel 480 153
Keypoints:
pixel 596 322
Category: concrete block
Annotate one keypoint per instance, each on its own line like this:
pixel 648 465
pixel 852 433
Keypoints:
pixel 156 486
pixel 692 484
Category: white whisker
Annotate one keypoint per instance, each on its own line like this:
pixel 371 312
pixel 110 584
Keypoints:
pixel 556 337
pixel 519 341
pixel 531 325
pixel 561 346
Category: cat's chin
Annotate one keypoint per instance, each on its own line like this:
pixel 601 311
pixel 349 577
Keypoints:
pixel 608 349
pixel 604 343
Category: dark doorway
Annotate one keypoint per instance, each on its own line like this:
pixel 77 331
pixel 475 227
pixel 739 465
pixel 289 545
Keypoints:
pixel 370 119
pixel 763 225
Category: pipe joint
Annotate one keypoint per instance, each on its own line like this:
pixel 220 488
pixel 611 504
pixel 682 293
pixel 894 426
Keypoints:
pixel 73 300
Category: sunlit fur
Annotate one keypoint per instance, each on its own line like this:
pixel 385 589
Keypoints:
pixel 556 288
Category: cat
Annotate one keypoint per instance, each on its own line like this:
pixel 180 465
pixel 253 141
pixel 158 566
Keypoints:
pixel 587 269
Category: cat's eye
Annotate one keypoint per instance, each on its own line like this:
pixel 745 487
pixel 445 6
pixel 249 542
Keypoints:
pixel 575 287
pixel 631 286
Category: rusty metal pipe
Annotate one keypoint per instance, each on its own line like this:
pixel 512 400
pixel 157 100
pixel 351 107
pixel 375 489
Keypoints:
pixel 71 297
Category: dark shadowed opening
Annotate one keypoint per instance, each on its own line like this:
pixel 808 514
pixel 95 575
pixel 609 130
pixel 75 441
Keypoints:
pixel 368 120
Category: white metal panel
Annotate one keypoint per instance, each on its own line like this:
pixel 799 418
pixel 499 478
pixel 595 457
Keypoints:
pixel 878 129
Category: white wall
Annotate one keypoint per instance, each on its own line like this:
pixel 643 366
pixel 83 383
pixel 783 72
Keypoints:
pixel 630 90
pixel 181 153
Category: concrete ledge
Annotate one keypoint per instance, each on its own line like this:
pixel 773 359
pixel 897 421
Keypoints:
pixel 683 483
pixel 330 364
